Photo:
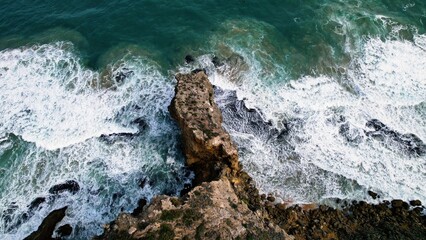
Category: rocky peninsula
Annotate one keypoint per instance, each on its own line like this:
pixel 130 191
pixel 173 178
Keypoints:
pixel 223 202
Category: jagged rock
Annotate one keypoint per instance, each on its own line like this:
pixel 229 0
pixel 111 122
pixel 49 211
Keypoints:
pixel 141 123
pixel 248 120
pixel 408 142
pixel 70 186
pixel 211 211
pixel 121 75
pixel 36 203
pixel 207 146
pixel 47 227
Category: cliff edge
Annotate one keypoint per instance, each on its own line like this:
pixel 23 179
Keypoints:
pixel 207 146
pixel 224 203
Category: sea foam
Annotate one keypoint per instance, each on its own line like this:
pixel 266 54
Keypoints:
pixel 318 160
pixel 109 132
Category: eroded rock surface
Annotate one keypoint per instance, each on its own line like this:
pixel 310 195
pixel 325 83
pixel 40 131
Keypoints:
pixel 224 204
pixel 210 211
pixel 207 146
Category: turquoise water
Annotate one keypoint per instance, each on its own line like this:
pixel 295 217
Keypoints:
pixel 307 66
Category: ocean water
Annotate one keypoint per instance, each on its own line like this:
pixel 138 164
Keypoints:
pixel 85 86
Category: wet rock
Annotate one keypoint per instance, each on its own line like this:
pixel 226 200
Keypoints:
pixel 408 142
pixel 199 70
pixel 47 227
pixel 141 123
pixel 271 198
pixel 69 186
pixel 141 203
pixel 216 61
pixel 189 59
pixel 397 203
pixel 112 138
pixel 7 217
pixel 372 194
pixel 142 182
pixel 121 75
pixel 415 203
pixel 64 230
pixel 248 120
pixel 350 133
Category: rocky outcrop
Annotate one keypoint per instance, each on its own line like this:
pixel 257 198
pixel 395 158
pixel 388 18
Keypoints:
pixel 210 211
pixel 68 186
pixel 207 146
pixel 225 204
pixel 47 227
pixel 357 220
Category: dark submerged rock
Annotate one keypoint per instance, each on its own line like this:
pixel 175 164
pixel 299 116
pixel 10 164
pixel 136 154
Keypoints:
pixel 141 123
pixel 69 186
pixel 195 71
pixel 36 203
pixel 216 61
pixel 189 59
pixel 121 75
pixel 250 120
pixel 47 227
pixel 64 230
pixel 408 142
pixel 372 194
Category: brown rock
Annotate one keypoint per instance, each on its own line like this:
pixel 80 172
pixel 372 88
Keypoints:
pixel 211 211
pixel 207 146
pixel 270 198
pixel 397 203
pixel 415 203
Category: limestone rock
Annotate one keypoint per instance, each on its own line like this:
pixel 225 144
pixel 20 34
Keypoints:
pixel 211 211
pixel 208 148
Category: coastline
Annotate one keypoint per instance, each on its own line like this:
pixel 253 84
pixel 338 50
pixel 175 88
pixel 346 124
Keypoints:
pixel 357 220
pixel 224 203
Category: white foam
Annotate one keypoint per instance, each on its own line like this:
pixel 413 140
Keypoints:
pixel 52 101
pixel 387 82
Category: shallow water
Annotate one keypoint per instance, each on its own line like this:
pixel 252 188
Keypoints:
pixel 85 89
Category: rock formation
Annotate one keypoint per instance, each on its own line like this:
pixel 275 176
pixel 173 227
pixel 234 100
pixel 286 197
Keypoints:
pixel 225 204
pixel 47 227
pixel 206 145
pixel 210 211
